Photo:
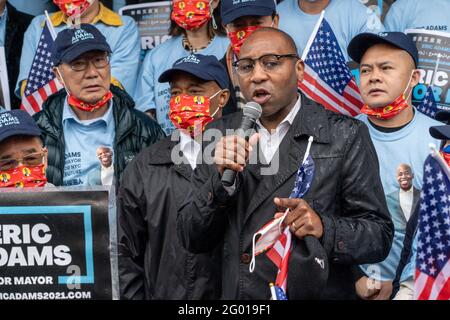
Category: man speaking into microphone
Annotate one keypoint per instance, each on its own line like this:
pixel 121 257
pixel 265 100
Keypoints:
pixel 343 215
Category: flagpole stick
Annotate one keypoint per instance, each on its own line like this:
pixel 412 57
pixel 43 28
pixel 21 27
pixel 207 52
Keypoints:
pixel 50 25
pixel 313 34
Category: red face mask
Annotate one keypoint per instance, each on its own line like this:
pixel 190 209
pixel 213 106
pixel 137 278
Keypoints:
pixel 73 7
pixel 23 177
pixel 388 112
pixel 237 38
pixel 77 103
pixel 446 157
pixel 191 113
pixel 191 14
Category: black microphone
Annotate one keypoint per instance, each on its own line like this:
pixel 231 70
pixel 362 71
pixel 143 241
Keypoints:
pixel 252 111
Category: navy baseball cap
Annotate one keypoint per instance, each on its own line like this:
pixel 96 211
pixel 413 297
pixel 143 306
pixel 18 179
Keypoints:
pixel 72 42
pixel 443 116
pixel 207 68
pixel 233 9
pixel 17 122
pixel 363 41
pixel 440 132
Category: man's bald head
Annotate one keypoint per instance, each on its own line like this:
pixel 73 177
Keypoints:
pixel 271 34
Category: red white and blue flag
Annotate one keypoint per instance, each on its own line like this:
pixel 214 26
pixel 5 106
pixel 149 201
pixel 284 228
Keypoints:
pixel 428 105
pixel 41 82
pixel 432 276
pixel 327 78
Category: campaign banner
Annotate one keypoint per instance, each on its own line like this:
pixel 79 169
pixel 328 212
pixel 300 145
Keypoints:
pixel 58 244
pixel 153 20
pixel 434 65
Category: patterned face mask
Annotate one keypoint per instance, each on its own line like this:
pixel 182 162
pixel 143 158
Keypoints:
pixel 77 103
pixel 446 154
pixel 392 109
pixel 237 38
pixel 73 8
pixel 191 113
pixel 191 14
pixel 23 177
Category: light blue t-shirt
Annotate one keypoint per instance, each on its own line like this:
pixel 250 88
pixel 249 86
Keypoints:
pixel 418 14
pixel 81 139
pixel 150 94
pixel 409 145
pixel 34 7
pixel 123 40
pixel 3 19
pixel 347 18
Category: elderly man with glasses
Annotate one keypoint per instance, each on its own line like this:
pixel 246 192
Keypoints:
pixel 23 159
pixel 89 112
pixel 342 221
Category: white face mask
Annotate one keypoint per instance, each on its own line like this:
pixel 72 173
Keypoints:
pixel 269 234
pixel 213 96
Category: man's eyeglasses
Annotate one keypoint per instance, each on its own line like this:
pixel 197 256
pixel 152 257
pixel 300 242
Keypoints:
pixel 31 160
pixel 269 63
pixel 99 62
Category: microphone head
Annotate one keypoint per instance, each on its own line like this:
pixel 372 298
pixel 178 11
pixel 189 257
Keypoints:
pixel 252 110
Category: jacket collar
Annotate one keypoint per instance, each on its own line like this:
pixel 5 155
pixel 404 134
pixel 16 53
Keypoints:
pixel 105 15
pixel 311 120
pixel 54 105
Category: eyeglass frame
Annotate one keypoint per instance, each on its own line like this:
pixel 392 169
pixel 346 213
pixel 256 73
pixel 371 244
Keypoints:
pixel 105 54
pixel 277 56
pixel 20 160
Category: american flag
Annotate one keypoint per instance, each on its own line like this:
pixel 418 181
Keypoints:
pixel 428 105
pixel 327 78
pixel 277 293
pixel 432 276
pixel 280 252
pixel 41 81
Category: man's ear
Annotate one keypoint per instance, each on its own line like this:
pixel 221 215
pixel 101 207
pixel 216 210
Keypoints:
pixel 214 4
pixel 300 69
pixel 57 73
pixel 276 21
pixel 415 78
pixel 223 97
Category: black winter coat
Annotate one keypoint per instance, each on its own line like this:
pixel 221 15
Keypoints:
pixel 16 25
pixel 346 192
pixel 152 262
pixel 134 131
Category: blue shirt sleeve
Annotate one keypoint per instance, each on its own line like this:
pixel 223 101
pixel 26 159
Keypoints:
pixel 30 42
pixel 125 56
pixel 394 18
pixel 145 89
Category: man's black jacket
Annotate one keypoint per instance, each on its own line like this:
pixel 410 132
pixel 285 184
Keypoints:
pixel 152 262
pixel 346 192
pixel 16 24
pixel 134 131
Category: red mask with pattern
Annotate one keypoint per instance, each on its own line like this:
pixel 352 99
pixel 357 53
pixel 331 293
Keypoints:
pixel 77 103
pixel 388 112
pixel 191 113
pixel 191 14
pixel 392 109
pixel 73 7
pixel 23 177
pixel 237 38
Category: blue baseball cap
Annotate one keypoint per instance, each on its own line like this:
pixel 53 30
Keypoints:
pixel 363 41
pixel 233 9
pixel 17 122
pixel 207 68
pixel 440 132
pixel 72 42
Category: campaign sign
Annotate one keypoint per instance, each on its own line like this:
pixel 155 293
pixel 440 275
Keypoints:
pixel 55 245
pixel 153 20
pixel 434 65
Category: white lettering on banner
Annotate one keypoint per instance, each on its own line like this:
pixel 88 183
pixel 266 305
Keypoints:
pixel 39 233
